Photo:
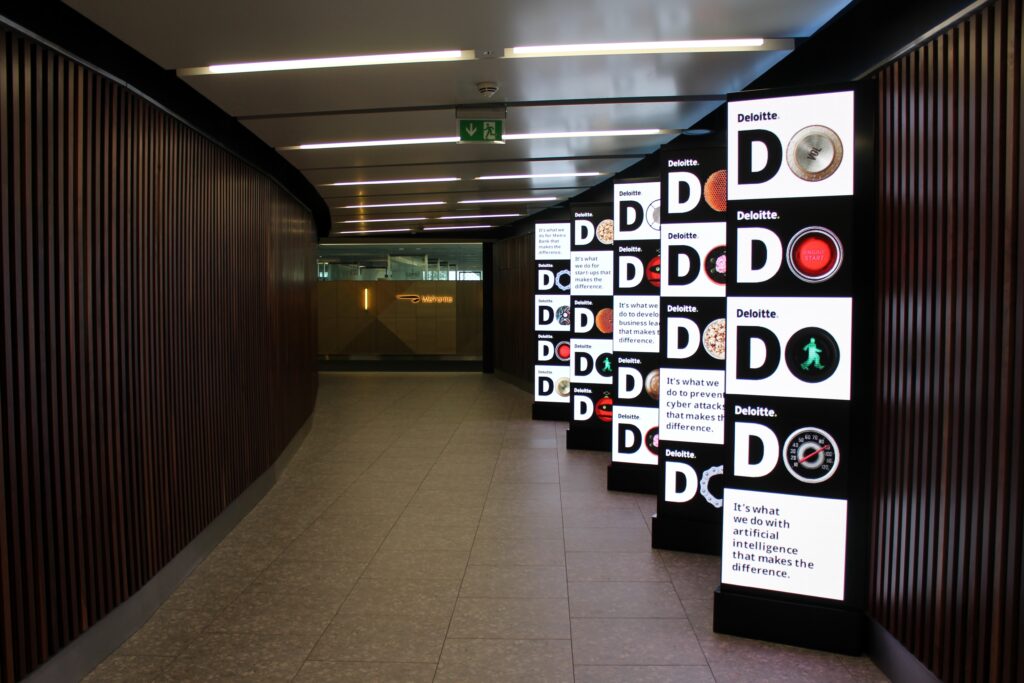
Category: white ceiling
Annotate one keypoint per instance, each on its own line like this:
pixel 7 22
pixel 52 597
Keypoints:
pixel 417 100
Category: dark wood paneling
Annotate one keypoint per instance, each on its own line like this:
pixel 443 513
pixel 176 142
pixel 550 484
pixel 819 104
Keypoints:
pixel 513 307
pixel 948 541
pixel 157 342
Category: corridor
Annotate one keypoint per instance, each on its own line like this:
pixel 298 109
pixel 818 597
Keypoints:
pixel 428 530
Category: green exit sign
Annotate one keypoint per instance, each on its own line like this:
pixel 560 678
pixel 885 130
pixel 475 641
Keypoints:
pixel 481 130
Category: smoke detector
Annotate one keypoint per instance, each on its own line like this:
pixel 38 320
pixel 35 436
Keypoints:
pixel 487 88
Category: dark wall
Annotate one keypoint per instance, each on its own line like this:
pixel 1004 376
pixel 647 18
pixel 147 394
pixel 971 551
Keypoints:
pixel 513 307
pixel 949 462
pixel 157 342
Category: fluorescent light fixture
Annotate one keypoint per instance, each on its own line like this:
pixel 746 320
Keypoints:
pixel 588 134
pixel 647 47
pixel 386 206
pixel 373 143
pixel 329 62
pixel 367 232
pixel 481 215
pixel 392 182
pixel 538 175
pixel 511 200
pixel 366 298
pixel 386 220
pixel 507 136
pixel 460 227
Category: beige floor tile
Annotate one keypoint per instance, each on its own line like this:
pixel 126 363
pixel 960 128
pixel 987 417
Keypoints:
pixel 510 618
pixel 167 633
pixel 635 642
pixel 490 581
pixel 130 669
pixel 612 566
pixel 276 613
pixel 518 551
pixel 398 597
pixel 242 656
pixel 624 599
pixel 364 672
pixel 644 674
pixel 420 564
pixel 376 638
pixel 505 661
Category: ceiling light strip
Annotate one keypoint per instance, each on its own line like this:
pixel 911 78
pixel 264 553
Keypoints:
pixel 649 47
pixel 480 215
pixel 399 181
pixel 508 136
pixel 458 227
pixel 386 220
pixel 527 176
pixel 368 232
pixel 388 206
pixel 329 62
pixel 513 200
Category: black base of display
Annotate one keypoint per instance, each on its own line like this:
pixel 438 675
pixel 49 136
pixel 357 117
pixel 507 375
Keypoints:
pixel 819 627
pixel 630 478
pixel 686 535
pixel 580 440
pixel 559 412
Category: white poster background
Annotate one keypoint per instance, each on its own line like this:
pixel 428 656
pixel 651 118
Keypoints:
pixel 814 527
pixel 593 273
pixel 555 373
pixel 688 394
pixel 648 196
pixel 833 110
pixel 832 314
pixel 637 323
pixel 554 302
pixel 552 241
pixel 644 419
pixel 705 237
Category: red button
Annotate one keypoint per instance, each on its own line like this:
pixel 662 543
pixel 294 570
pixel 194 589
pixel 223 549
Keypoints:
pixel 814 255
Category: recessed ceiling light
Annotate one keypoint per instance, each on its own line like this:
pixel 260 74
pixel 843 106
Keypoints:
pixel 514 200
pixel 481 215
pixel 508 136
pixel 649 47
pixel 367 232
pixel 329 62
pixel 385 206
pixel 459 227
pixel 588 134
pixel 538 175
pixel 386 220
pixel 392 182
pixel 373 143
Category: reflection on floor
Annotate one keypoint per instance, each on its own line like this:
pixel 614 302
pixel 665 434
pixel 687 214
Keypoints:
pixel 428 530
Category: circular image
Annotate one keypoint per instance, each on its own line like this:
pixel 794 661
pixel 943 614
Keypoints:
pixel 714 339
pixel 651 440
pixel 811 455
pixel 715 265
pixel 606 231
pixel 814 254
pixel 605 365
pixel 812 355
pixel 653 272
pixel 814 153
pixel 654 214
pixel 603 408
pixel 562 386
pixel 705 485
pixel 562 351
pixel 651 383
pixel 562 280
pixel 715 188
pixel 563 315
pixel 604 321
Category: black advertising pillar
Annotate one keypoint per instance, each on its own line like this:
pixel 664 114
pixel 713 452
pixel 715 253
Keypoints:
pixel 635 338
pixel 551 320
pixel 692 408
pixel 592 361
pixel 798 367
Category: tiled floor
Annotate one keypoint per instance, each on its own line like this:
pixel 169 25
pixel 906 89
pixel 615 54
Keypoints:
pixel 428 530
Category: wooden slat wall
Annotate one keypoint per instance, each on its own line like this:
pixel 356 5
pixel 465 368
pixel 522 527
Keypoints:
pixel 157 342
pixel 513 307
pixel 949 464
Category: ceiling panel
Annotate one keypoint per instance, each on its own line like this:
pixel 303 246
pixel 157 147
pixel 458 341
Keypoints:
pixel 289 108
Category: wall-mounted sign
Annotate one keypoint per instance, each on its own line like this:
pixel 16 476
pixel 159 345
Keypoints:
pixel 636 329
pixel 592 355
pixel 552 321
pixel 425 298
pixel 488 131
pixel 796 425
pixel 693 349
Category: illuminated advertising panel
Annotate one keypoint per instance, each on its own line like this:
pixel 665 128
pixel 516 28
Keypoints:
pixel 552 321
pixel 799 225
